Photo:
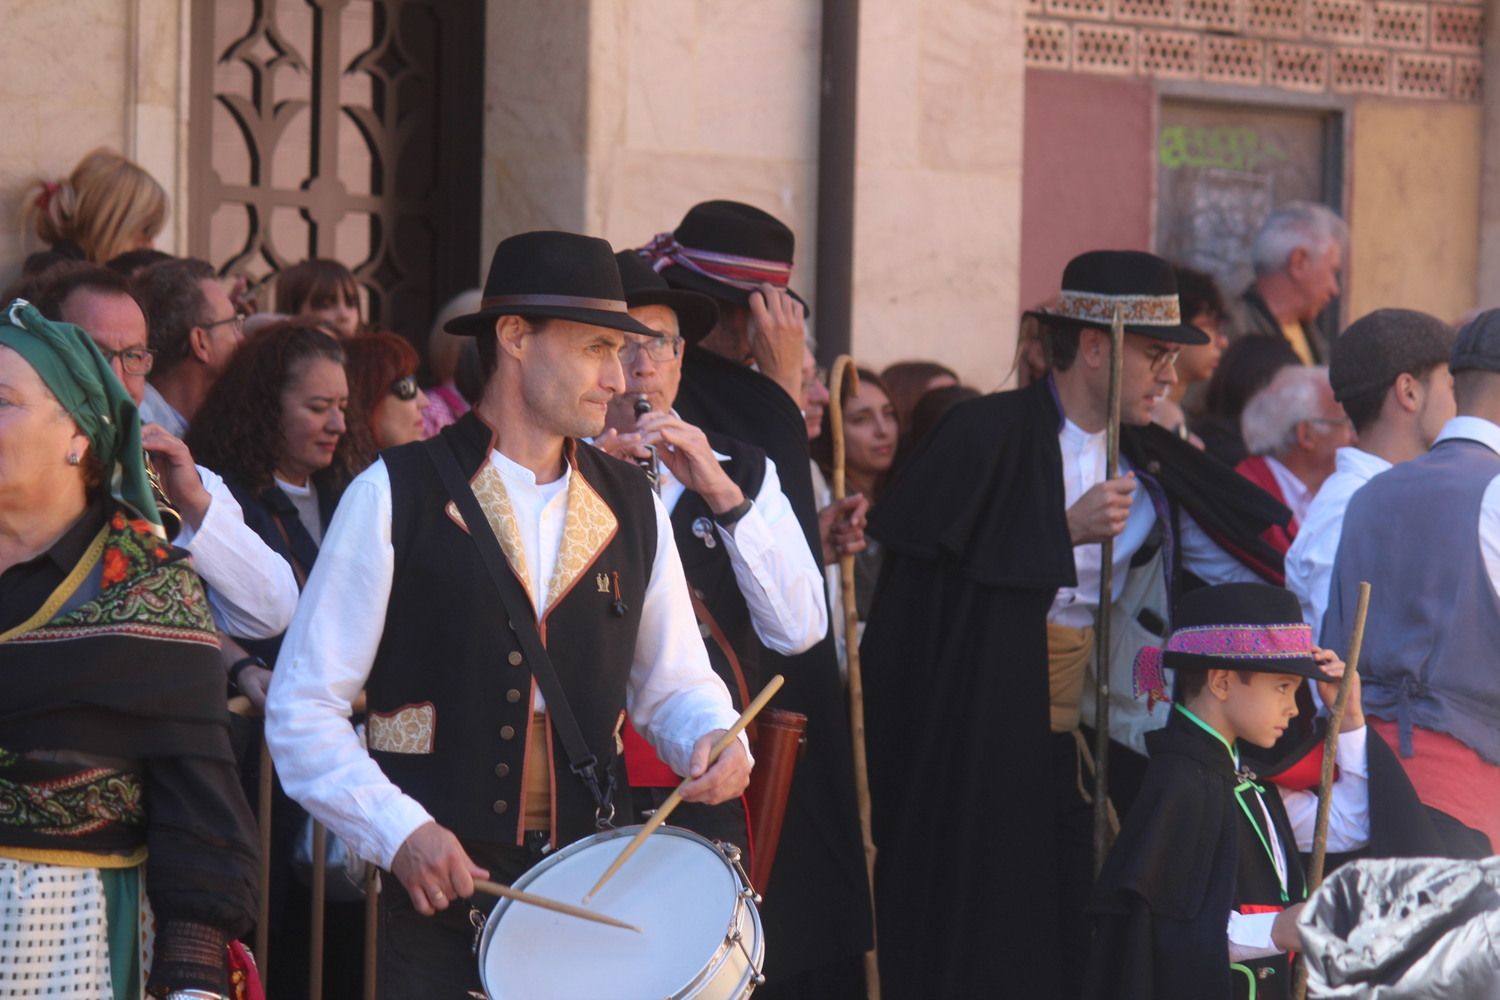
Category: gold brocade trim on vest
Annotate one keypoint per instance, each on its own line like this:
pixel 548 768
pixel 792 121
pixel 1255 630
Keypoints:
pixel 55 601
pixel 538 790
pixel 1068 651
pixel 589 526
pixel 489 490
pixel 74 859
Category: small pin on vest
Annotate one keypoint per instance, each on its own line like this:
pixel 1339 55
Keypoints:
pixel 703 528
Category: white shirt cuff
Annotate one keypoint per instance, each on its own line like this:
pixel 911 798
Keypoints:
pixel 1250 936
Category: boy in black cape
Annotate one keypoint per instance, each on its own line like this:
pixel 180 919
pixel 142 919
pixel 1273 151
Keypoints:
pixel 1200 894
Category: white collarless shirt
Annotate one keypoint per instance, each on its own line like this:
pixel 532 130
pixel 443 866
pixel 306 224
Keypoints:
pixel 1083 467
pixel 1309 562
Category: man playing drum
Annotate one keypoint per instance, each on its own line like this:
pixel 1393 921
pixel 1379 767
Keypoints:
pixel 468 768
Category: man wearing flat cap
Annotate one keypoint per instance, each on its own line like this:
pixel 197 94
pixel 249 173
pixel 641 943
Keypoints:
pixel 978 650
pixel 493 670
pixel 1426 535
pixel 744 379
pixel 1390 374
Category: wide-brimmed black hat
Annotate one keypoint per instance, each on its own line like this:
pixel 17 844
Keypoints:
pixel 1241 626
pixel 552 275
pixel 696 312
pixel 1141 285
pixel 726 249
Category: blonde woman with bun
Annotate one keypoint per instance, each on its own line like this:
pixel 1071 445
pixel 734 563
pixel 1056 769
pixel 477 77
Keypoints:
pixel 106 206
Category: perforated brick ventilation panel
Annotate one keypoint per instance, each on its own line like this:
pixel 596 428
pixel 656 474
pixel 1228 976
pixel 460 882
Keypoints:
pixel 1410 49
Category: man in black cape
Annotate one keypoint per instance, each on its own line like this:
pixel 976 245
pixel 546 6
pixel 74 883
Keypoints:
pixel 744 380
pixel 980 820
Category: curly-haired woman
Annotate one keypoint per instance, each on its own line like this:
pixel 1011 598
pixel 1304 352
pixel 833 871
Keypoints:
pixel 276 428
pixel 383 387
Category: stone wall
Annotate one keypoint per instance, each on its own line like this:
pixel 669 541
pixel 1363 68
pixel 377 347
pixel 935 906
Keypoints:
pixel 665 104
pixel 85 74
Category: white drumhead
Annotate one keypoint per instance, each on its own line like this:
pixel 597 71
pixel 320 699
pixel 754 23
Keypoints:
pixel 677 888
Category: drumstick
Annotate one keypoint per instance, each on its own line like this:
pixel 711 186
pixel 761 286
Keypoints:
pixel 506 892
pixel 673 800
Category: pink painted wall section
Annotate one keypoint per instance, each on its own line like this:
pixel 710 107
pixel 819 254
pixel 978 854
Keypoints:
pixel 1086 173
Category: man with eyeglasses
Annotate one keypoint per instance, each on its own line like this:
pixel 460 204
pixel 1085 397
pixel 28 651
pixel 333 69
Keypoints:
pixel 194 330
pixel 978 651
pixel 251 590
pixel 1293 430
pixel 753 577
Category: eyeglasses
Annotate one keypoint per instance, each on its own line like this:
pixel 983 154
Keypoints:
pixel 656 348
pixel 405 388
pixel 237 320
pixel 817 376
pixel 1331 421
pixel 1162 358
pixel 134 360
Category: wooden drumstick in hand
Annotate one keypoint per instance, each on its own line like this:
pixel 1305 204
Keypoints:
pixel 675 799
pixel 543 902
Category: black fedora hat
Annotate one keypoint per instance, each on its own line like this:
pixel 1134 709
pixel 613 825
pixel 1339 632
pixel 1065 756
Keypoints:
pixel 1141 285
pixel 726 249
pixel 555 276
pixel 696 312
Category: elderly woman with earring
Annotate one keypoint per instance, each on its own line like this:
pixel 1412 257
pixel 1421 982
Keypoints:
pixel 117 785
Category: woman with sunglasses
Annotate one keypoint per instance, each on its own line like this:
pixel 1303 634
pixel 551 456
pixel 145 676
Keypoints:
pixel 382 370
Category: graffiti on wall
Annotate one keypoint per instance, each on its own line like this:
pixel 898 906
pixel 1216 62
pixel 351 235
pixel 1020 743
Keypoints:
pixel 1219 147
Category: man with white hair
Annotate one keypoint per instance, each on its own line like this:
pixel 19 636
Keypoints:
pixel 1293 428
pixel 1297 255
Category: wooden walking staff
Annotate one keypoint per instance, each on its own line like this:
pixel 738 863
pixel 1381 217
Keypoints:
pixel 1106 599
pixel 1330 753
pixel 675 799
pixel 843 368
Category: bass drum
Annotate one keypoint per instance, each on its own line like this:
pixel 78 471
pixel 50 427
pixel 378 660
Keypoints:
pixel 700 931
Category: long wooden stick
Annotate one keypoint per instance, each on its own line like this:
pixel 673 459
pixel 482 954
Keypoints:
pixel 372 929
pixel 1106 601
pixel 1330 754
pixel 675 799
pixel 546 903
pixel 843 369
pixel 263 817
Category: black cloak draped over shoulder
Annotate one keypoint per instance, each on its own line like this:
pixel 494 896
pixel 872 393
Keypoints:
pixel 817 909
pixel 956 688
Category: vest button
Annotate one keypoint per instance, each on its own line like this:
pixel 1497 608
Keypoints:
pixel 507 732
pixel 502 770
pixel 513 696
pixel 501 805
pixel 514 658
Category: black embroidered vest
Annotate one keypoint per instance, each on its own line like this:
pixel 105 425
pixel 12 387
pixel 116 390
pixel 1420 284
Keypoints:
pixel 450 693
pixel 709 573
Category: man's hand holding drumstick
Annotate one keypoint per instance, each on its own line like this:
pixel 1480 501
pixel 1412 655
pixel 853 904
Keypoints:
pixel 726 779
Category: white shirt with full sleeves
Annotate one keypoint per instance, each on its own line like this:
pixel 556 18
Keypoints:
pixel 673 695
pixel 1348 830
pixel 775 570
pixel 1309 562
pixel 251 590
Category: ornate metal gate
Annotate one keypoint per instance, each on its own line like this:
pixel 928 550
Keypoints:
pixel 340 128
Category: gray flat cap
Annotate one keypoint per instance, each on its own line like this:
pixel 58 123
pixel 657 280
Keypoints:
pixel 1379 346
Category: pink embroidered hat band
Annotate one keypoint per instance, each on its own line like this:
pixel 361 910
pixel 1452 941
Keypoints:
pixel 1234 626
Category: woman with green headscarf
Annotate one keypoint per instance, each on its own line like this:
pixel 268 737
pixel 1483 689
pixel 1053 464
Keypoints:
pixel 118 795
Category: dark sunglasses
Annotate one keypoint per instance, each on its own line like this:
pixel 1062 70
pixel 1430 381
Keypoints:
pixel 405 388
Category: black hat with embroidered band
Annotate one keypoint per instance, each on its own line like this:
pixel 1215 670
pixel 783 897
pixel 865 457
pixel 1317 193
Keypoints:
pixel 552 275
pixel 1141 285
pixel 696 313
